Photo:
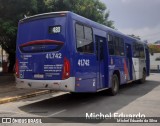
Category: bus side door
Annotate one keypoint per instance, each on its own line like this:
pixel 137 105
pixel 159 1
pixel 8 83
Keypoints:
pixel 129 61
pixel 101 56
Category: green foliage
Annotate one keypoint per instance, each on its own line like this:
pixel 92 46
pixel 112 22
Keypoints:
pixel 134 36
pixel 92 9
pixel 154 48
pixel 11 11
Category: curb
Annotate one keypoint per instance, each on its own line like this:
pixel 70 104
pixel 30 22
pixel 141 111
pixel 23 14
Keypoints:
pixel 16 98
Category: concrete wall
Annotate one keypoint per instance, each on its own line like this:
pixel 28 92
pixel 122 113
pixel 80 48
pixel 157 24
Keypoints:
pixel 154 63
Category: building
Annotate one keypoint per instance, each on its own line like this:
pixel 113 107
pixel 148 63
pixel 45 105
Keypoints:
pixel 155 61
pixel 155 56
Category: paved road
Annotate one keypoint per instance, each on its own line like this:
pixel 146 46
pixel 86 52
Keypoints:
pixel 132 99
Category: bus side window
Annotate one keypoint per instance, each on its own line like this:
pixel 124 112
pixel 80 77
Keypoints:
pixel 79 37
pixel 121 44
pixel 84 38
pixel 89 39
pixel 116 43
pixel 136 52
pixel 141 49
pixel 111 44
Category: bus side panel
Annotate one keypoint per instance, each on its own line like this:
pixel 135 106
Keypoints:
pixel 117 64
pixel 88 85
pixel 85 75
pixel 139 64
pixel 84 67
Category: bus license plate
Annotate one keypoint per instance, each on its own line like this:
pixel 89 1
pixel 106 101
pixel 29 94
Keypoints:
pixel 38 76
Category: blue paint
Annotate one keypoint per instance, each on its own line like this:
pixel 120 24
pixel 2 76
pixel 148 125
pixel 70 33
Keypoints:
pixel 93 77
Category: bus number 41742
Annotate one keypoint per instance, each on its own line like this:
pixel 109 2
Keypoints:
pixel 84 62
pixel 53 56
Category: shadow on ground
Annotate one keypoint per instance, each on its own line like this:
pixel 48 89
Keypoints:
pixel 78 105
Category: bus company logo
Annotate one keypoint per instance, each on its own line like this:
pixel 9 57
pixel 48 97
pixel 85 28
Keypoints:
pixel 6 120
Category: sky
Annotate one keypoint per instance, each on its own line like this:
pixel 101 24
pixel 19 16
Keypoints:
pixel 138 17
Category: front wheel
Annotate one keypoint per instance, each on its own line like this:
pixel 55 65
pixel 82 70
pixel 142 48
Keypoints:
pixel 115 85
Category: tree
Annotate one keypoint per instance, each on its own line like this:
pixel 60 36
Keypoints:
pixel 92 9
pixel 154 48
pixel 11 11
pixel 136 37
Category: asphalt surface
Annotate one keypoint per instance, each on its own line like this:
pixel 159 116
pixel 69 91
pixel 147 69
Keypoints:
pixel 9 92
pixel 132 99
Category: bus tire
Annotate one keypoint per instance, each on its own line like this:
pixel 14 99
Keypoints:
pixel 143 79
pixel 115 85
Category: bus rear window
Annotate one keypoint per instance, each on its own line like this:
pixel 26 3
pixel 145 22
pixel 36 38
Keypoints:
pixel 41 46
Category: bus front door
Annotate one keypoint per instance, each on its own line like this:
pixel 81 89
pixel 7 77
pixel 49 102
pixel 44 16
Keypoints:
pixel 101 78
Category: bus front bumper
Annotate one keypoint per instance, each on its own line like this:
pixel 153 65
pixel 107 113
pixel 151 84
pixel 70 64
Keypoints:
pixel 60 85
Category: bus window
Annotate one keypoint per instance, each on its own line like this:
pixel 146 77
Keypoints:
pixel 136 52
pixel 116 43
pixel 88 34
pixel 79 32
pixel 110 44
pixel 141 49
pixel 84 39
pixel 121 44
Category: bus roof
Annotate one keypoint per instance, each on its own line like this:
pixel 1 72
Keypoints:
pixel 101 26
pixel 43 15
pixel 78 17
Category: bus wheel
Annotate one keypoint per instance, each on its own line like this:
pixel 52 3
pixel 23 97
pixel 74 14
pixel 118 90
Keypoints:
pixel 143 77
pixel 115 85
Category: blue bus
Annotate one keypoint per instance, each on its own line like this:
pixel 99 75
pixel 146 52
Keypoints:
pixel 67 52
